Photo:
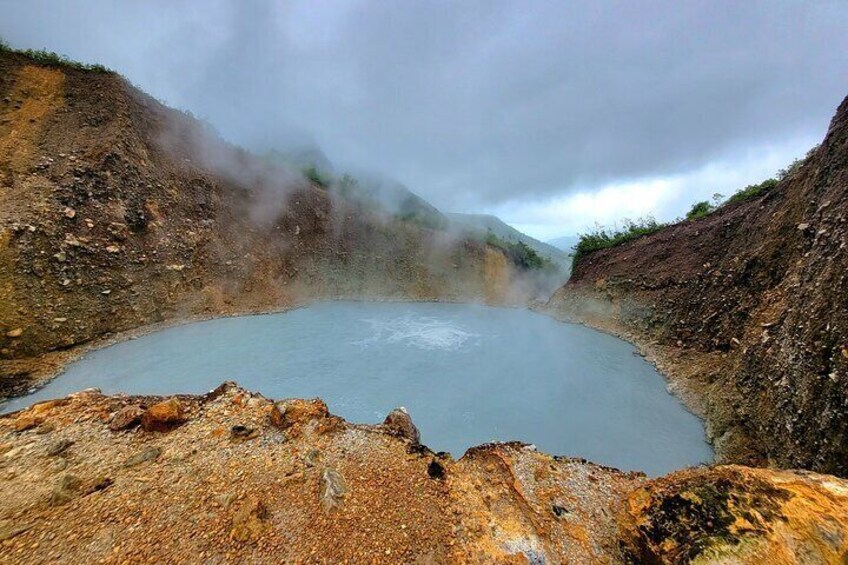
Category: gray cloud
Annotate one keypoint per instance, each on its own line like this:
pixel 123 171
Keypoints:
pixel 474 104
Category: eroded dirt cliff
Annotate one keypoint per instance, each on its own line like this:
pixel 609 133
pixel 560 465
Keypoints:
pixel 118 212
pixel 235 477
pixel 747 311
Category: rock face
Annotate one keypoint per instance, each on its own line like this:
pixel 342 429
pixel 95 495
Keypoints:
pixel 127 417
pixel 739 515
pixel 327 490
pixel 333 489
pixel 117 212
pixel 400 422
pixel 746 310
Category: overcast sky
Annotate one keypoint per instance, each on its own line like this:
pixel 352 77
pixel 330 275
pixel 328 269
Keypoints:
pixel 552 115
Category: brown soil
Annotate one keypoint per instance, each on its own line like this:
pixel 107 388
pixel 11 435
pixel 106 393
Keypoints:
pixel 747 311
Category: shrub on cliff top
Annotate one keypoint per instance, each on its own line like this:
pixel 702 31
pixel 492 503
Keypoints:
pixel 699 210
pixel 317 177
pixel 602 238
pixel 52 59
pixel 753 190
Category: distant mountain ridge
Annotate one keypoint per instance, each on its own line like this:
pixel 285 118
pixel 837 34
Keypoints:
pixel 487 222
pixel 565 243
pixel 372 189
pixel 391 196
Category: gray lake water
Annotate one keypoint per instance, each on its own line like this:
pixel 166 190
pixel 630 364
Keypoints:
pixel 467 374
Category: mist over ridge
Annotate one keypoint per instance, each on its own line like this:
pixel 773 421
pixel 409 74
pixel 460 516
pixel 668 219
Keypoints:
pixel 551 117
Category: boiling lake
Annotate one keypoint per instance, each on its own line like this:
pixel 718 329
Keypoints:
pixel 467 374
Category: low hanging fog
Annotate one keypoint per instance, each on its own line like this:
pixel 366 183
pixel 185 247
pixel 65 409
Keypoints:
pixel 549 114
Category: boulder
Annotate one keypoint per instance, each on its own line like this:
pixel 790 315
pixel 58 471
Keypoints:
pixel 312 457
pixel 65 490
pixel 286 413
pixel 242 433
pixel 734 514
pixel 163 416
pixel 59 446
pixel 435 470
pixel 400 423
pixel 333 489
pixel 146 454
pixel 127 417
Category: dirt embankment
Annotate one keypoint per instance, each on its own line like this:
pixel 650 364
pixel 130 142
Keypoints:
pixel 747 311
pixel 235 477
pixel 117 212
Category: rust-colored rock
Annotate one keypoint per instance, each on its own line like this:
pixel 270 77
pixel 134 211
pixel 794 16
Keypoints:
pixel 127 417
pixel 26 421
pixel 44 407
pixel 399 422
pixel 163 417
pixel 361 495
pixel 733 514
pixel 287 413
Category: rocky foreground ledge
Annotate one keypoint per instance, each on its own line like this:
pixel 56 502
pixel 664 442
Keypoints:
pixel 234 477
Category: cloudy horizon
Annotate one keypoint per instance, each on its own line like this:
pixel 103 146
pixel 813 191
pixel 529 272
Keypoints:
pixel 552 117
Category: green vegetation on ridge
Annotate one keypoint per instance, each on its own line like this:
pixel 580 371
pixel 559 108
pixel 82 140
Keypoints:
pixel 522 255
pixel 699 210
pixel 53 59
pixel 753 190
pixel 483 225
pixel 603 238
pixel 316 177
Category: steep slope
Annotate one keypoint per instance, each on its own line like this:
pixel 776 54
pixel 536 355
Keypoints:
pixel 485 223
pixel 747 310
pixel 117 212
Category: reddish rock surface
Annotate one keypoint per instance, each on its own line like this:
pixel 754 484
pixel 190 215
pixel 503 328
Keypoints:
pixel 163 416
pixel 356 493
